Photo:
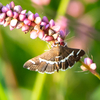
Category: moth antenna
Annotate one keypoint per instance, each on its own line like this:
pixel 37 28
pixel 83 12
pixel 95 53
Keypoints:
pixel 69 38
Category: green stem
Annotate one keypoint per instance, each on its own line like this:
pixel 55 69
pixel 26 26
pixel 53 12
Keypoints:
pixel 62 8
pixel 3 95
pixel 37 89
pixel 92 71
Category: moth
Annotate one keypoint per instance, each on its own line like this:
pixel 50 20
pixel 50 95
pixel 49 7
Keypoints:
pixel 57 58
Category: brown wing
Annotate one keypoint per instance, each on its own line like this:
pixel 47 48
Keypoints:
pixel 41 64
pixel 71 56
pixel 58 57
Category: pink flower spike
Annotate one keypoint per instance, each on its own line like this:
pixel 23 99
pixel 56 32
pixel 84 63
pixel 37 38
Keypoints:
pixel 22 17
pixel 93 66
pixel 15 15
pixel 56 28
pixel 10 13
pixel 27 21
pixel 88 61
pixel 52 23
pixel 12 5
pixel 4 9
pixel 13 22
pixel 45 19
pixel 48 38
pixel 25 28
pixel 31 17
pixel 37 20
pixel 36 15
pixel 41 34
pixel 33 34
pixel 18 9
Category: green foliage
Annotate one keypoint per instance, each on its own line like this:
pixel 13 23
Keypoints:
pixel 17 83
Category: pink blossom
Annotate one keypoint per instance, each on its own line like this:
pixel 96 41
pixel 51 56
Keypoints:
pixel 88 61
pixel 33 34
pixel 37 20
pixel 45 19
pixel 18 9
pixel 41 2
pixel 25 28
pixel 10 13
pixel 52 23
pixel 4 9
pixel 22 17
pixel 12 5
pixel 41 34
pixel 31 17
pixel 49 38
pixel 27 21
pixel 13 22
pixel 15 15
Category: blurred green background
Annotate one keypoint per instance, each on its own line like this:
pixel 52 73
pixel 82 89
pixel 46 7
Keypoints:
pixel 17 83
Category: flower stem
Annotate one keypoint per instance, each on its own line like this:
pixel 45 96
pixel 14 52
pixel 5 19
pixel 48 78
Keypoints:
pixel 38 86
pixel 92 71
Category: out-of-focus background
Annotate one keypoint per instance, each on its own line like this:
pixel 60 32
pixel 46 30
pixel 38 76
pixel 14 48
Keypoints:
pixel 82 18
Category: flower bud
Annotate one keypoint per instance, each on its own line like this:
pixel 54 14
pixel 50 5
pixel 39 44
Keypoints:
pixel 12 5
pixel 47 26
pixel 8 6
pixel 27 21
pixel 18 9
pixel 52 23
pixel 83 68
pixel 15 15
pixel 36 15
pixel 88 61
pixel 48 38
pixel 23 12
pixel 93 66
pixel 4 9
pixel 55 36
pixel 60 39
pixel 11 28
pixel 41 34
pixel 10 13
pixel 45 19
pixel 56 28
pixel 22 17
pixel 25 28
pixel 2 22
pixel 13 22
pixel 19 25
pixel 33 34
pixel 31 17
pixel 62 34
pixel 51 32
pixel 37 20
pixel 2 16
